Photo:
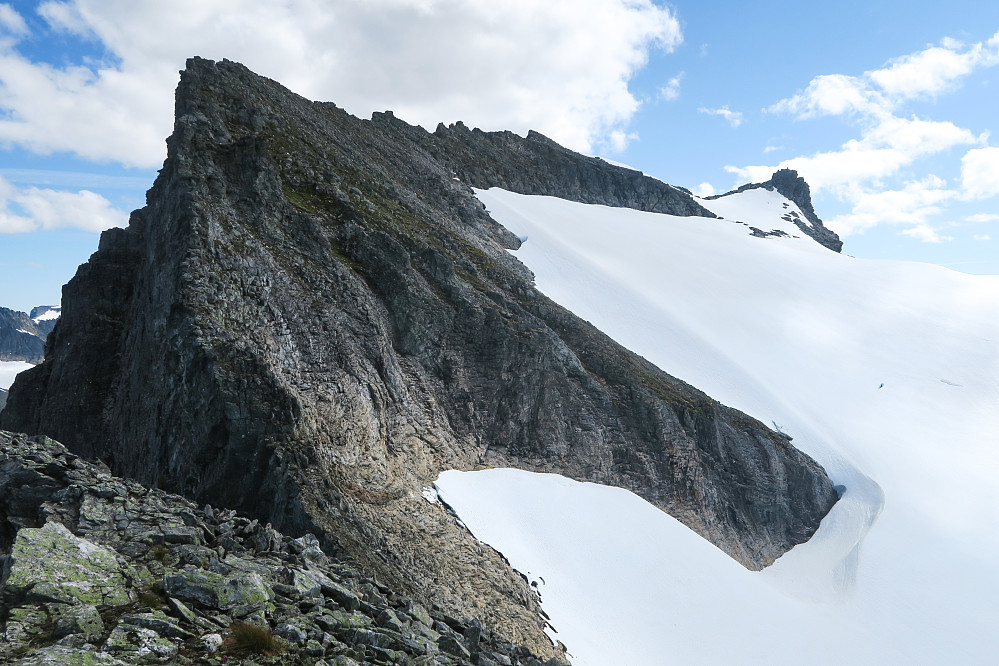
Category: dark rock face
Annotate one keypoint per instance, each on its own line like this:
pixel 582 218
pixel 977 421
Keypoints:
pixel 788 183
pixel 99 569
pixel 311 318
pixel 538 165
pixel 20 339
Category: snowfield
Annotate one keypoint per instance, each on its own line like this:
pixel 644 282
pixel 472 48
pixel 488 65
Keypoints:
pixel 887 373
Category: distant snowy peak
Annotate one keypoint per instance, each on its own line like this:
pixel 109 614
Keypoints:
pixel 45 313
pixel 22 335
pixel 45 318
pixel 788 185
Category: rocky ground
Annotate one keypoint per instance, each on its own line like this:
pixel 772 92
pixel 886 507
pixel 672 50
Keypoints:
pixel 102 570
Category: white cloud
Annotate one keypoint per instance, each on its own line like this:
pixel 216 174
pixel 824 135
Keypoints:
pixel 982 237
pixel 734 118
pixel 559 67
pixel 619 140
pixel 671 90
pixel 911 205
pixel 980 173
pixel 877 93
pixel 12 22
pixel 33 208
pixel 926 234
pixel 829 94
pixel 982 217
pixel 771 149
pixel 890 143
pixel 704 190
pixel 933 70
pixel 883 150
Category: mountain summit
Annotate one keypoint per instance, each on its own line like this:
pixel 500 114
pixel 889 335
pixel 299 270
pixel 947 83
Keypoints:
pixel 313 316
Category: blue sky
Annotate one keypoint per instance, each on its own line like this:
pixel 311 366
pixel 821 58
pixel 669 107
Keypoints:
pixel 886 108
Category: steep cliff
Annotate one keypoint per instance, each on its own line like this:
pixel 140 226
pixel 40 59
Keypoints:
pixel 313 316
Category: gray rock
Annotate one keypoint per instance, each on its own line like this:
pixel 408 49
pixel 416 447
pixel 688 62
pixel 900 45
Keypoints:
pixel 62 655
pixel 217 591
pixel 83 620
pixel 51 564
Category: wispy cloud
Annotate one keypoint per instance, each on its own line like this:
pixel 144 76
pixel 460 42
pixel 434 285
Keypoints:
pixel 671 90
pixel 925 233
pixel 982 217
pixel 734 118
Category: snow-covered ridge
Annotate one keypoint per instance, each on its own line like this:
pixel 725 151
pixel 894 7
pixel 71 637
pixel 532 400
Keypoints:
pixel 886 372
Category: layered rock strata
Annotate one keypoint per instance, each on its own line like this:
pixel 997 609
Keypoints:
pixel 313 316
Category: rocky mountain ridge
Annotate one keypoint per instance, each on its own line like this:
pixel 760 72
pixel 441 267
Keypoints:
pixel 313 316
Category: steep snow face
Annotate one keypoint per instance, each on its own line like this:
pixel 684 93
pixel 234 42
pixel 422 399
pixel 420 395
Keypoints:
pixel 886 372
pixel 9 370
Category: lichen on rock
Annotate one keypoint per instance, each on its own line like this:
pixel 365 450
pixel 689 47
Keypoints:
pixel 51 564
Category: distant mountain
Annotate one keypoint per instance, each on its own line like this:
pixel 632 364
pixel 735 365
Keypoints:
pixel 20 337
pixel 45 318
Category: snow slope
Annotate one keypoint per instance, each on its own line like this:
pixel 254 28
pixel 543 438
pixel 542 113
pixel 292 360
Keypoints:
pixel 886 372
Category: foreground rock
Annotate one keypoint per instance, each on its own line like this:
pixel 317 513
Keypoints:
pixel 101 570
pixel 313 317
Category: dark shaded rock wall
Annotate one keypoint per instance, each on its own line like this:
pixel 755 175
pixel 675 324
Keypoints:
pixel 311 318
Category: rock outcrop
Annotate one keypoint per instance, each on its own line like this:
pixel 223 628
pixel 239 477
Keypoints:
pixel 101 570
pixel 313 316
pixel 788 183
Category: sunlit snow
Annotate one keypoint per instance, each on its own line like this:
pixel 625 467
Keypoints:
pixel 886 372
